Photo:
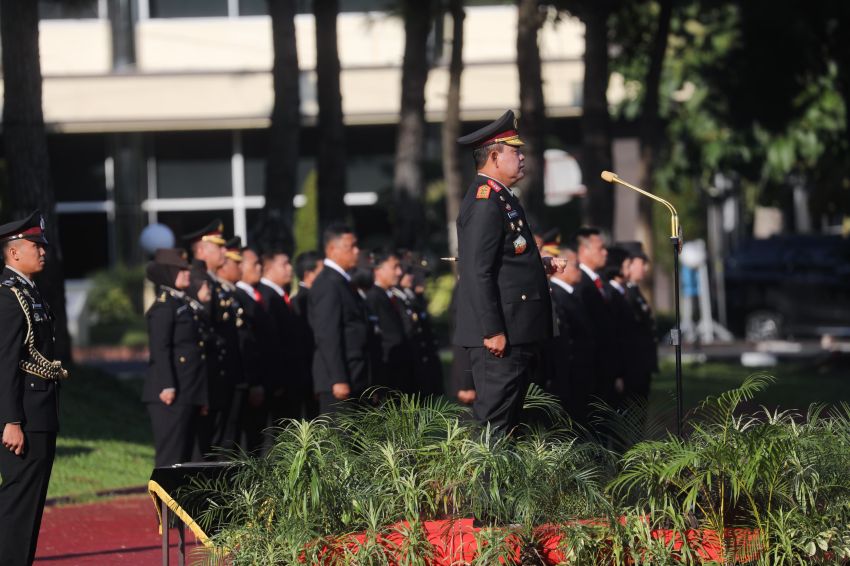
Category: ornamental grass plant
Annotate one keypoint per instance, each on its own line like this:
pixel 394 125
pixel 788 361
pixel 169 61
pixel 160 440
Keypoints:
pixel 366 488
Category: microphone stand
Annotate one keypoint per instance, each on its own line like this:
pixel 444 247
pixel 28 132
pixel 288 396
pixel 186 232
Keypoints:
pixel 676 240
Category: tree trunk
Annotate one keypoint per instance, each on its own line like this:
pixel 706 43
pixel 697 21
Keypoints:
pixel 532 106
pixel 275 229
pixel 408 180
pixel 650 123
pixel 451 127
pixel 595 120
pixel 25 142
pixel 331 152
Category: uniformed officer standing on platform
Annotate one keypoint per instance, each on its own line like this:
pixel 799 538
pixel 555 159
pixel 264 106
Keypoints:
pixel 504 310
pixel 29 408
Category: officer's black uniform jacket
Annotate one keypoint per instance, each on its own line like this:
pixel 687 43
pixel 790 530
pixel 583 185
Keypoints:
pixel 249 349
pixel 25 398
pixel 300 308
pixel 225 369
pixel 569 357
pixel 178 346
pixel 341 330
pixel 260 338
pixel 427 367
pixel 394 366
pixel 644 359
pixel 500 291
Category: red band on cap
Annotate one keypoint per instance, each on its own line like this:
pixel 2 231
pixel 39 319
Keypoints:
pixel 34 231
pixel 501 136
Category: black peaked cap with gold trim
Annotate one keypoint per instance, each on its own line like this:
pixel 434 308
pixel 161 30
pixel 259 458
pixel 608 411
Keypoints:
pixel 233 248
pixel 212 232
pixel 504 130
pixel 30 228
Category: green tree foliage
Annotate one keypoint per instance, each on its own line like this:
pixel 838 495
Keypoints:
pixel 306 223
pixel 745 90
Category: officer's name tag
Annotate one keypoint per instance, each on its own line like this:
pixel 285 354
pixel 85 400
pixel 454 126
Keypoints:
pixel 512 214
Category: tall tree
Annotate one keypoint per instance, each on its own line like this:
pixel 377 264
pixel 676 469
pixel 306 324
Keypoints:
pixel 451 126
pixel 650 120
pixel 595 118
pixel 275 228
pixel 331 151
pixel 25 143
pixel 532 16
pixel 408 178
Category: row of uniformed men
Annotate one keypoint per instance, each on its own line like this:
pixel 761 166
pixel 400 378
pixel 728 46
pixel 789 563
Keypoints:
pixel 232 352
pixel 605 346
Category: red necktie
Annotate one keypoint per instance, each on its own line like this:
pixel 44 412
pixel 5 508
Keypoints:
pixel 598 283
pixel 258 296
pixel 286 299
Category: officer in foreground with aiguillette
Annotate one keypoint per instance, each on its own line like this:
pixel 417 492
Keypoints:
pixel 504 310
pixel 29 408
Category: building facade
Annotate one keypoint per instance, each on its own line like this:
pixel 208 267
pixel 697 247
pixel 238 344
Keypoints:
pixel 157 110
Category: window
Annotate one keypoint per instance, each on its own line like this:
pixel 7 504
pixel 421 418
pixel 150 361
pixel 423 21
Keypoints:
pixel 193 164
pixel 188 8
pixel 68 9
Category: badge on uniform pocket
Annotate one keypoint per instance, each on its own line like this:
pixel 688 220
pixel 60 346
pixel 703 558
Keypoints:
pixel 519 245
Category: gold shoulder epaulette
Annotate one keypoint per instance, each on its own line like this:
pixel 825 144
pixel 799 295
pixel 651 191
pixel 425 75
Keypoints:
pixel 162 297
pixel 483 192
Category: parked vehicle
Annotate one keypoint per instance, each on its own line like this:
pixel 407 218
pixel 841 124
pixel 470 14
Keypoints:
pixel 789 287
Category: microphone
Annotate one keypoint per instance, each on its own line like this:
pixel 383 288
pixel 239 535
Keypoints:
pixel 675 229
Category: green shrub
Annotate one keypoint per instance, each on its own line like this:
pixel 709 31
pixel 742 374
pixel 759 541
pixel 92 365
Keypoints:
pixel 781 478
pixel 114 306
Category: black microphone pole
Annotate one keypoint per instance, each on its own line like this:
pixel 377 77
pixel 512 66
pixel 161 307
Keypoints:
pixel 676 334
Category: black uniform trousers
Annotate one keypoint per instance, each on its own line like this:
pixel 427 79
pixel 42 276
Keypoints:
pixel 174 431
pixel 22 495
pixel 501 383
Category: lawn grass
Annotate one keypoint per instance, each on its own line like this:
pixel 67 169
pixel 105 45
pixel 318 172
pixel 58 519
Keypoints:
pixel 105 438
pixel 798 384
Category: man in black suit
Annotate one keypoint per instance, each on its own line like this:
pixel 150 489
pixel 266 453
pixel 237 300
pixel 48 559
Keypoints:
pixel 643 361
pixel 287 401
pixel 337 315
pixel 308 265
pixel 266 368
pixel 592 254
pixel 504 310
pixel 569 356
pixel 29 407
pixel 394 364
pixel 614 274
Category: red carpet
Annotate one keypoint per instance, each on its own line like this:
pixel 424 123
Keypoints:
pixel 117 531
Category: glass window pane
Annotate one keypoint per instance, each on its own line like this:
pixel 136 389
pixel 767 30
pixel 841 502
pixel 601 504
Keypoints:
pixel 253 7
pixel 77 165
pixel 193 164
pixel 67 9
pixel 85 243
pixel 187 8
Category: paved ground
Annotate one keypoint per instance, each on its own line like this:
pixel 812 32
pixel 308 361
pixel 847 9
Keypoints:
pixel 121 531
